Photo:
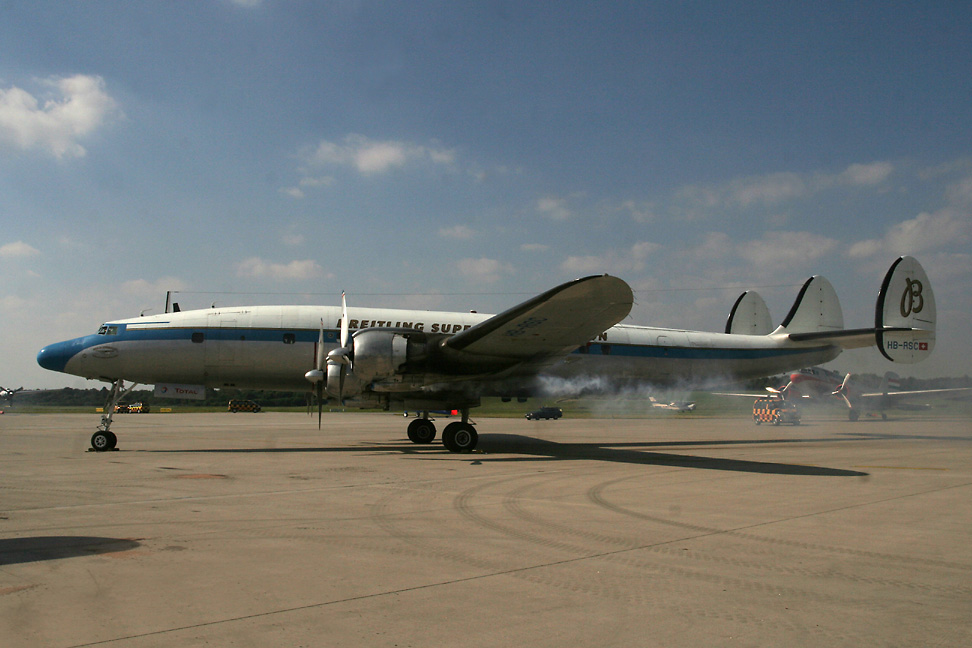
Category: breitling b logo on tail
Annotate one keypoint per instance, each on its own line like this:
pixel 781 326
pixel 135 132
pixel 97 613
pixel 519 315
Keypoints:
pixel 912 300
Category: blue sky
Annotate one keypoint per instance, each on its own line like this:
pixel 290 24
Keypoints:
pixel 467 155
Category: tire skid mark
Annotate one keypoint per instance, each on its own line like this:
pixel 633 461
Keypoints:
pixel 463 503
pixel 514 504
pixel 637 591
pixel 768 546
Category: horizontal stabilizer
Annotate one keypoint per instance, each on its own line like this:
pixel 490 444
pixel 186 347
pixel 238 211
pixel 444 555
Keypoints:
pixel 749 315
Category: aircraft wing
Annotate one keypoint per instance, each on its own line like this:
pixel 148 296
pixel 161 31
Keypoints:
pixel 916 392
pixel 555 322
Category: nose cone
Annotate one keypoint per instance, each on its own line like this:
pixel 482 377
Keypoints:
pixel 55 356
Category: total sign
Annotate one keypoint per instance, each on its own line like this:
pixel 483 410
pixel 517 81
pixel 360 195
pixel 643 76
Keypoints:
pixel 191 392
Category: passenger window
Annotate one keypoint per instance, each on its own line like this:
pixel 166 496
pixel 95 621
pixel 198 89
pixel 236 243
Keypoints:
pixel 198 337
pixel 289 338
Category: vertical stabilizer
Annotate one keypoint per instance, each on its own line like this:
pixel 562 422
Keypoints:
pixel 906 301
pixel 749 315
pixel 816 309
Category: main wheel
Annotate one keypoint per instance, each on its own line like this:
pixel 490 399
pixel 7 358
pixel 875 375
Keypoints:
pixel 421 431
pixel 460 437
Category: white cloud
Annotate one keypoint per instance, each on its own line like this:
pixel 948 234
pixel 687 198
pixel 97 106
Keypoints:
pixel 949 226
pixel 777 249
pixel 57 125
pixel 615 263
pixel 867 174
pixel 17 250
pixel 484 270
pixel 322 181
pixel 640 212
pixel 371 157
pixel 258 268
pixel 553 208
pixel 294 192
pixel 766 190
pixel 920 234
pixel 459 232
pixel 145 288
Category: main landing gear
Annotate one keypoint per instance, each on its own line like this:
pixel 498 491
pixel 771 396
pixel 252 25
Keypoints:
pixel 458 436
pixel 104 439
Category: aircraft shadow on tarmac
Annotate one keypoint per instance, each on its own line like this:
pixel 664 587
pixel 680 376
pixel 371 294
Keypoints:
pixel 533 449
pixel 40 548
pixel 627 453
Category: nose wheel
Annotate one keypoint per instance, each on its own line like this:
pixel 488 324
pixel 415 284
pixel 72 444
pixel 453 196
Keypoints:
pixel 103 440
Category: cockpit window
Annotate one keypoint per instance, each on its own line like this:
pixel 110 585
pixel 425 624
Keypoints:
pixel 108 330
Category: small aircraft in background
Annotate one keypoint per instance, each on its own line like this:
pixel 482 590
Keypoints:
pixel 8 394
pixel 816 385
pixel 677 406
pixel 420 360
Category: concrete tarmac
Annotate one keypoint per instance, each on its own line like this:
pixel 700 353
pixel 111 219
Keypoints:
pixel 259 530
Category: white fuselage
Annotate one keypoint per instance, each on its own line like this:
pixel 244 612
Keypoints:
pixel 271 347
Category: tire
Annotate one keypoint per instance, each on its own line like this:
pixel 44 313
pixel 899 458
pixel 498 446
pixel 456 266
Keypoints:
pixel 421 431
pixel 460 437
pixel 102 441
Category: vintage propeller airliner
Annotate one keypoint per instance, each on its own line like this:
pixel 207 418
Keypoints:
pixel 422 360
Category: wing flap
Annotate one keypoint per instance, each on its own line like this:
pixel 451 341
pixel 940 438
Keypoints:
pixel 554 322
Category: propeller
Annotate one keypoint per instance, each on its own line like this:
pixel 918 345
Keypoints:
pixel 842 391
pixel 316 375
pixel 781 393
pixel 339 360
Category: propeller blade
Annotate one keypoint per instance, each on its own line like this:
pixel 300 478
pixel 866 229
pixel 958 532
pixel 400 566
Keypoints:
pixel 344 320
pixel 321 356
pixel 847 400
pixel 320 402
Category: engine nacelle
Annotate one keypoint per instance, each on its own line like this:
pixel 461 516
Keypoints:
pixel 379 354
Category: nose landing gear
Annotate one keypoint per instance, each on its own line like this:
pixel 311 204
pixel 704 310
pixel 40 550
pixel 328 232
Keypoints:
pixel 104 439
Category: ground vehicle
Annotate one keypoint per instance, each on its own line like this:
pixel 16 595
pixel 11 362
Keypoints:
pixel 545 413
pixel 134 408
pixel 243 406
pixel 775 411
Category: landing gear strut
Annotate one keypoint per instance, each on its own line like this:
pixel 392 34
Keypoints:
pixel 104 439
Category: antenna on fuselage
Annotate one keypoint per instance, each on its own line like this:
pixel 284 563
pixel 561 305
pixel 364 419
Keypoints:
pixel 171 306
